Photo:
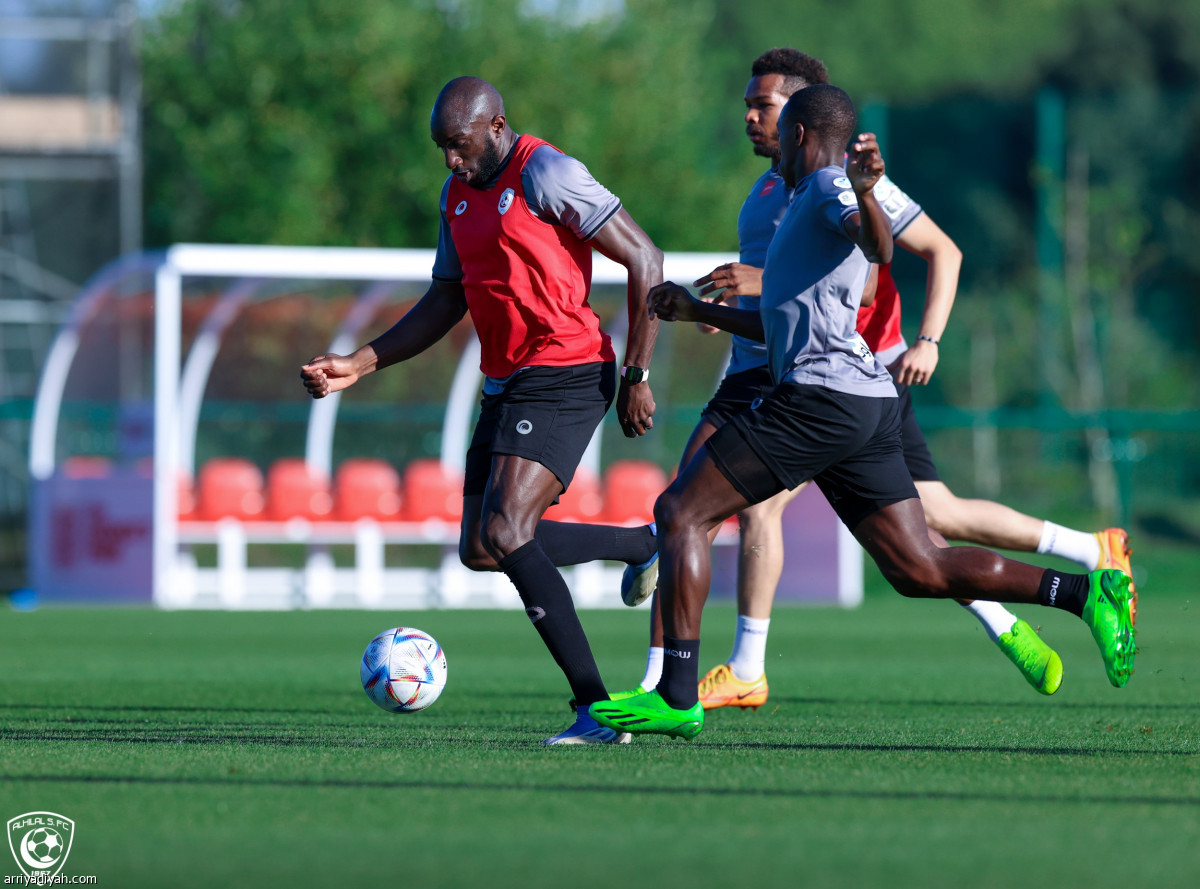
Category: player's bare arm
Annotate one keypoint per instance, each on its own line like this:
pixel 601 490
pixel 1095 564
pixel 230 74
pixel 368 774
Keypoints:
pixel 924 238
pixel 622 240
pixel 670 302
pixel 869 227
pixel 443 305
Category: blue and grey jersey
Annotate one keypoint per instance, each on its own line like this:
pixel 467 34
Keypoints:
pixel 812 288
pixel 757 221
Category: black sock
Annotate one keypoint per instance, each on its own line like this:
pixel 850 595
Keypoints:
pixel 1066 591
pixel 680 674
pixel 570 543
pixel 549 605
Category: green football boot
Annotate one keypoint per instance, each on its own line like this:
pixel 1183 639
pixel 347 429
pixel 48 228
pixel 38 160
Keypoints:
pixel 1037 661
pixel 649 713
pixel 1107 613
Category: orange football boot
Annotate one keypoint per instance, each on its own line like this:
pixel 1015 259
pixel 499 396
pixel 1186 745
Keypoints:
pixel 720 688
pixel 1114 553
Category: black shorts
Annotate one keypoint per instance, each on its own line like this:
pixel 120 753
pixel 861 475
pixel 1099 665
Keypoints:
pixel 736 393
pixel 544 414
pixel 916 451
pixel 848 444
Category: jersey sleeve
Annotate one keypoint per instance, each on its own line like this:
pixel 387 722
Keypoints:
pixel 901 210
pixel 838 201
pixel 446 265
pixel 560 190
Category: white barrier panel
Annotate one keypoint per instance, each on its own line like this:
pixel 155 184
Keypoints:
pixel 93 538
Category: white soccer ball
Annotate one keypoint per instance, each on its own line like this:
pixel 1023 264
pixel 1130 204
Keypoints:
pixel 403 670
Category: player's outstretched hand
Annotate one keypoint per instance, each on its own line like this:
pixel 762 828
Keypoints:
pixel 733 279
pixel 670 302
pixel 729 280
pixel 864 165
pixel 328 373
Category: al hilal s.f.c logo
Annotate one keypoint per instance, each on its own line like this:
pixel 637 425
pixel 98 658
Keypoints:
pixel 40 842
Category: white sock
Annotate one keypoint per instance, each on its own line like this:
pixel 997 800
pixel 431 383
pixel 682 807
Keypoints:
pixel 996 619
pixel 654 659
pixel 749 657
pixel 1078 546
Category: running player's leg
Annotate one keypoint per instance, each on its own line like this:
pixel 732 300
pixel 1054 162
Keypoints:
pixel 535 432
pixel 741 681
pixel 988 523
pixel 694 504
pixel 1016 639
pixel 896 537
pixel 654 656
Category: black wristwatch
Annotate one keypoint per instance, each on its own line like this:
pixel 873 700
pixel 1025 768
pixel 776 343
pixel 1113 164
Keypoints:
pixel 632 374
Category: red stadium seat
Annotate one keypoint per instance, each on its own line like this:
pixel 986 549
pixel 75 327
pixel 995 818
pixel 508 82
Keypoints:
pixel 296 490
pixel 229 487
pixel 581 502
pixel 431 491
pixel 366 488
pixel 87 467
pixel 630 489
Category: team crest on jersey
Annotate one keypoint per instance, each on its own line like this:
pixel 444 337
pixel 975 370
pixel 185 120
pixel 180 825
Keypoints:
pixel 841 182
pixel 506 200
pixel 461 208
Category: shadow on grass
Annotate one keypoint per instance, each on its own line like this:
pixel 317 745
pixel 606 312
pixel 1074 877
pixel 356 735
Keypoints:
pixel 612 789
pixel 441 734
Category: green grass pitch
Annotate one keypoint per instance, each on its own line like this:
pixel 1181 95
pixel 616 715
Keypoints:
pixel 899 748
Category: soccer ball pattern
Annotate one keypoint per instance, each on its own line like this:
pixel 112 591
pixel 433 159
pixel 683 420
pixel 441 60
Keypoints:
pixel 403 670
pixel 44 845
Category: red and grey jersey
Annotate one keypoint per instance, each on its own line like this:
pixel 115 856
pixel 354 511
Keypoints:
pixel 519 248
pixel 879 323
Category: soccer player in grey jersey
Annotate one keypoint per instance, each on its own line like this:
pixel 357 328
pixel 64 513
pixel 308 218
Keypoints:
pixel 833 417
pixel 741 680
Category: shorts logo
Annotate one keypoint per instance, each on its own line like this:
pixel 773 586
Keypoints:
pixel 506 201
pixel 40 843
pixel 461 208
pixel 524 427
pixel 535 613
pixel 756 404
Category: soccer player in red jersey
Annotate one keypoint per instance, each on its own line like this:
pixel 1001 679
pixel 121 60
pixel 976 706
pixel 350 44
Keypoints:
pixel 519 221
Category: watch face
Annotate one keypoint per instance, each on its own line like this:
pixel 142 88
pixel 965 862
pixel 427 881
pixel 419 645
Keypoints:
pixel 634 374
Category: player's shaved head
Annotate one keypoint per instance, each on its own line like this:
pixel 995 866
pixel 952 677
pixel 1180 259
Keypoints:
pixel 469 125
pixel 466 99
pixel 824 110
